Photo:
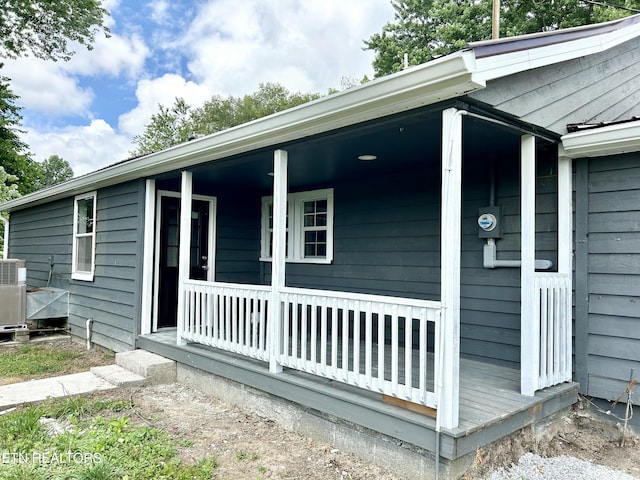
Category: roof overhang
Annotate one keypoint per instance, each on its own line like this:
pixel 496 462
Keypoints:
pixel 438 80
pixel 442 79
pixel 507 56
pixel 609 140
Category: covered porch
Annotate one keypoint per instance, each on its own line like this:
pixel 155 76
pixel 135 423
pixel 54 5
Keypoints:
pixel 376 299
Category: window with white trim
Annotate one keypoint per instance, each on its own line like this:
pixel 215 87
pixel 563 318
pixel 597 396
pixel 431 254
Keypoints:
pixel 309 227
pixel 84 237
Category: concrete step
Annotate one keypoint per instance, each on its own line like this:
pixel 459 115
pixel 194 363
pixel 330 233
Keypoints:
pixel 154 368
pixel 119 376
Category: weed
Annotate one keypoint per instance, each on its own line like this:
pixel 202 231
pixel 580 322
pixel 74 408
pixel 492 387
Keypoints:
pixel 92 447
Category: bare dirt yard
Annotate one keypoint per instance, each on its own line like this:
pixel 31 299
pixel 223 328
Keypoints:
pixel 248 446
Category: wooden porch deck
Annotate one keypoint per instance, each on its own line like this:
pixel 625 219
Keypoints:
pixel 491 406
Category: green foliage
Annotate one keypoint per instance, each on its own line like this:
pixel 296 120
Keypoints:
pixel 32 360
pixel 91 446
pixel 45 28
pixel 54 170
pixel 425 29
pixel 180 122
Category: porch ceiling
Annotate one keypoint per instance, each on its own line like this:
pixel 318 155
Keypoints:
pixel 404 142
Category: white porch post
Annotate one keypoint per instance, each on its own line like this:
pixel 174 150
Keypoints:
pixel 565 250
pixel 448 347
pixel 147 261
pixel 186 193
pixel 530 328
pixel 278 260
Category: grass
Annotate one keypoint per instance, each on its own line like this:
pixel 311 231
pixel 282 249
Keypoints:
pixel 92 439
pixel 35 360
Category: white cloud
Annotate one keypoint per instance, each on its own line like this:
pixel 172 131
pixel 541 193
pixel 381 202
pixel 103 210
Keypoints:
pixel 110 56
pixel 164 90
pixel 306 46
pixel 53 88
pixel 45 87
pixel 159 11
pixel 86 148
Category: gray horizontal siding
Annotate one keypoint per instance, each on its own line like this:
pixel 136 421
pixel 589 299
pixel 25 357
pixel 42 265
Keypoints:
pixel 111 300
pixel 600 87
pixel 42 232
pixel 387 242
pixel 613 274
pixel 238 237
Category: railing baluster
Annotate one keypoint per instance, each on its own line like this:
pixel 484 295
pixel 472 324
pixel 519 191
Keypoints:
pixel 408 351
pixel 357 312
pixel 314 334
pixel 368 343
pixel 234 317
pixel 334 337
pixel 382 318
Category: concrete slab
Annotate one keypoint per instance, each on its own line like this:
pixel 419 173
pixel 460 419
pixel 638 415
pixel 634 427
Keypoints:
pixel 38 390
pixel 119 376
pixel 155 368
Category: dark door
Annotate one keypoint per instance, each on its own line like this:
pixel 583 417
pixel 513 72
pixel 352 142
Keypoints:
pixel 168 251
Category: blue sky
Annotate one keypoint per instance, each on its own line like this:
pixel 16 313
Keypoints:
pixel 87 110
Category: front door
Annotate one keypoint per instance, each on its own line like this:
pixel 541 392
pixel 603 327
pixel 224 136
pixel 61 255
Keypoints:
pixel 167 259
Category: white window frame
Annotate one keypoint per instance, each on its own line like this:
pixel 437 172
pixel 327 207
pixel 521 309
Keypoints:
pixel 82 274
pixel 296 229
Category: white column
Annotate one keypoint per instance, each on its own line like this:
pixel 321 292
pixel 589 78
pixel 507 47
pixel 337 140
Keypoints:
pixel 529 324
pixel 278 260
pixel 186 194
pixel 147 261
pixel 565 249
pixel 448 348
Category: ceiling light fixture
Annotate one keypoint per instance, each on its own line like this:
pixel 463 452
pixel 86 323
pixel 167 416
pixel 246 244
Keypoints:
pixel 367 157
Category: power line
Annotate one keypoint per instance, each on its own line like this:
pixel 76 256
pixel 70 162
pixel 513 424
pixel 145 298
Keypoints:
pixel 604 4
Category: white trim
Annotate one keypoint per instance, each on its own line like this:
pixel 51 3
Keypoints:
pixel 565 250
pixel 280 184
pixel 295 213
pixel 502 65
pixel 86 276
pixel 5 246
pixel 448 334
pixel 213 215
pixel 610 140
pixel 441 79
pixel 186 192
pixel 147 308
pixel 529 328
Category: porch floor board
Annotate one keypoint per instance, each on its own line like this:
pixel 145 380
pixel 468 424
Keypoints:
pixel 491 406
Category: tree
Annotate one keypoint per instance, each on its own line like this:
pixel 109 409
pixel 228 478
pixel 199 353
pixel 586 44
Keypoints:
pixel 14 156
pixel 425 29
pixel 46 28
pixel 180 122
pixel 8 191
pixel 54 170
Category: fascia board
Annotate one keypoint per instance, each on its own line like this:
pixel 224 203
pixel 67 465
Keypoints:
pixel 597 142
pixel 492 67
pixel 442 79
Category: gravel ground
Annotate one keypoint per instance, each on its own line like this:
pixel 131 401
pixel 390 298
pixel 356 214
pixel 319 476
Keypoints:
pixel 534 467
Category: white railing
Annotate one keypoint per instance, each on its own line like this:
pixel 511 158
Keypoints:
pixel 228 316
pixel 382 344
pixel 553 309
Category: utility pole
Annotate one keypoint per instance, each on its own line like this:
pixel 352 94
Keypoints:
pixel 496 20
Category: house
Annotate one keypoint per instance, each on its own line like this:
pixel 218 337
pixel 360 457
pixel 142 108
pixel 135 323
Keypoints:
pixel 395 261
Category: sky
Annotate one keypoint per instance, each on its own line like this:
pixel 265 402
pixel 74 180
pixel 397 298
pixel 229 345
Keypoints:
pixel 88 110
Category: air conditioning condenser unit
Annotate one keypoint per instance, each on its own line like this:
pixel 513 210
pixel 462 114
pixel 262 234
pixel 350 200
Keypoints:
pixel 13 294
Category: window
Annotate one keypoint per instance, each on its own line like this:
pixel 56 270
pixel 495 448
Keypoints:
pixel 84 237
pixel 309 227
